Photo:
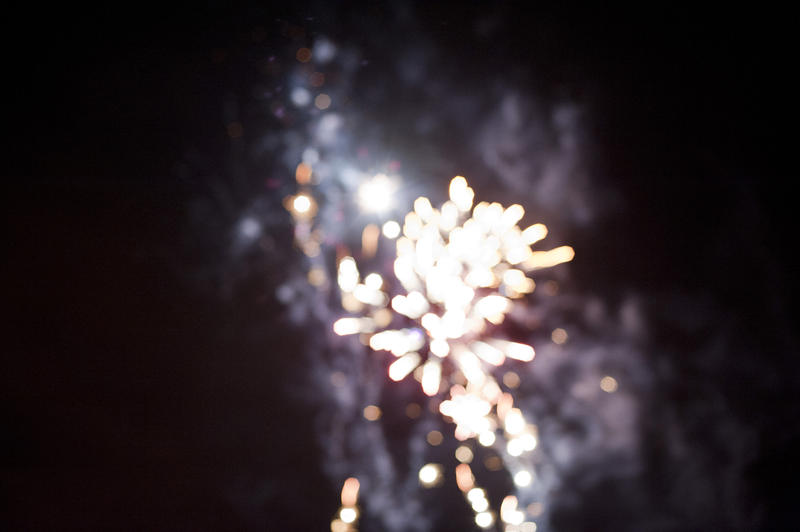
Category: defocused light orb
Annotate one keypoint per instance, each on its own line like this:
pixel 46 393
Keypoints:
pixel 301 204
pixel 464 454
pixel 559 336
pixel 249 228
pixel 322 101
pixel 391 229
pixel 348 515
pixel 300 96
pixel 523 478
pixel 375 195
pixel 608 384
pixel 484 519
pixel 430 474
pixel 372 412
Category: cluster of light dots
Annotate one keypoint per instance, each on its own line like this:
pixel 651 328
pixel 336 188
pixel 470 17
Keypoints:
pixel 461 267
pixel 512 518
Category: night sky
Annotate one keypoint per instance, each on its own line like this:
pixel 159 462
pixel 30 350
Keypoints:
pixel 154 380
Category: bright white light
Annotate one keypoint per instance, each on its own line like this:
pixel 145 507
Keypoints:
pixel 515 447
pixel 528 442
pixel 486 438
pixel 374 281
pixel 429 474
pixel 515 423
pixel 404 365
pixel 523 478
pixel 348 515
pixel 391 229
pixel 440 348
pixel 376 194
pixel 345 326
pixel 475 494
pixel 484 519
pixel 301 204
pixel 431 377
pixel 480 505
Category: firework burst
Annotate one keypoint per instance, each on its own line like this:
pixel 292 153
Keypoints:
pixel 458 270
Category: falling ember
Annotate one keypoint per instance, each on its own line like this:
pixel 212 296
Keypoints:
pixel 350 491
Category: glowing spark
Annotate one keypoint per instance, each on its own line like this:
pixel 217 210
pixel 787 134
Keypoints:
pixel 376 194
pixel 301 204
pixel 608 384
pixel 523 478
pixel 348 515
pixel 391 229
pixel 430 475
pixel 404 365
pixel 484 519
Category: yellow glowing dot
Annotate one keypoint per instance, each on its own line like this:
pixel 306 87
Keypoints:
pixel 523 478
pixel 511 379
pixel 464 454
pixel 322 101
pixel 348 515
pixel 493 463
pixel 337 525
pixel 372 412
pixel 303 55
pixel 430 475
pixel 316 276
pixel 434 437
pixel 559 336
pixel 608 384
pixel 413 410
pixel 528 526
pixel 301 203
pixel 391 229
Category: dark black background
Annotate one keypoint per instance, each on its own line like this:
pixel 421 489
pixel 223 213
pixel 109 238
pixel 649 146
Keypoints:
pixel 133 400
